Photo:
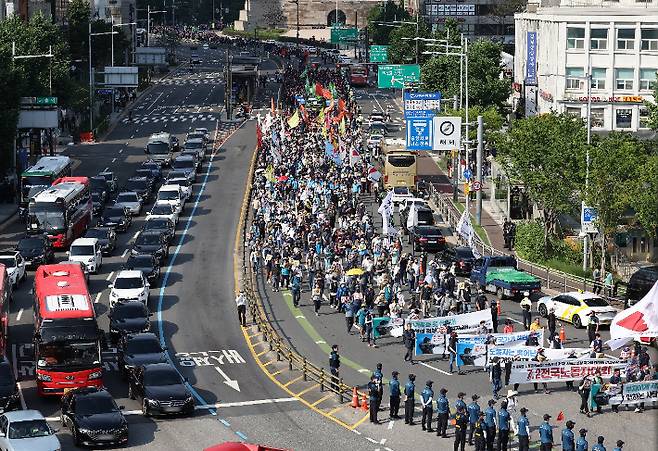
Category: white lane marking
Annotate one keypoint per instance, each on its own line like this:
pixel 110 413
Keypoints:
pixel 435 369
pixel 124 253
pixel 98 297
pixel 390 424
pixel 363 370
pixel 109 276
pixel 120 151
pixel 135 235
pixel 18 384
pixel 132 136
pixel 256 402
pixel 113 160
pixel 20 313
pixel 372 440
pixel 300 317
pixel 156 99
pixel 514 320
pixel 319 342
pixel 106 169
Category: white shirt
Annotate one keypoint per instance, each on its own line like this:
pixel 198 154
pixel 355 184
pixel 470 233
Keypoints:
pixel 241 300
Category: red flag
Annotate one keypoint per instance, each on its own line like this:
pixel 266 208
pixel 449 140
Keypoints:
pixel 341 105
pixel 560 416
pixel 319 89
pixel 327 94
pixel 259 135
pixel 304 113
pixel 338 118
pixel 272 105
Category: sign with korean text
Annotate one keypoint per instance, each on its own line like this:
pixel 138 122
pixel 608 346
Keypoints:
pixel 465 321
pixel 419 134
pixel 343 35
pixel 379 53
pixel 531 59
pixel 562 370
pixel 421 104
pixel 635 392
pixel 397 75
pixel 447 133
pixel 588 218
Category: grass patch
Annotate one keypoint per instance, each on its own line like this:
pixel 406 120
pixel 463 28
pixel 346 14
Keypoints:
pixel 567 267
pixel 479 230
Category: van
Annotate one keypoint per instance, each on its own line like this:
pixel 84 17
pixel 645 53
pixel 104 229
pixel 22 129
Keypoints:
pixel 88 252
pixel 640 283
pixel 418 215
pixel 161 147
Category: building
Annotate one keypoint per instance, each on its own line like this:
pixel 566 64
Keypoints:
pixel 567 48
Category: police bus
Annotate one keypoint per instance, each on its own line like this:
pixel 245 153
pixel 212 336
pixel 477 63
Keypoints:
pixel 40 176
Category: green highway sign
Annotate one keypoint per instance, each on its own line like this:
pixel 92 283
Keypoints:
pixel 397 75
pixel 341 35
pixel 46 101
pixel 379 53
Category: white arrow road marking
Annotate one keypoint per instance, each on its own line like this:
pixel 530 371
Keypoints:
pixel 228 381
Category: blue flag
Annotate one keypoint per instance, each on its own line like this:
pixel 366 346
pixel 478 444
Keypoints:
pixel 330 151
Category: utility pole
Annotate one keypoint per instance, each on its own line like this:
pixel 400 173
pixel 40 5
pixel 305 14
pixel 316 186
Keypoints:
pixel 479 156
pixel 229 85
pixel 91 85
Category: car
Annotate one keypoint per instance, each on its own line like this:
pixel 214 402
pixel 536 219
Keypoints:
pixel 640 283
pixel 184 184
pixel 461 256
pixel 165 226
pixel 111 180
pixel 408 202
pixel 88 252
pixel 163 210
pixel 129 285
pixel 174 174
pixel 93 417
pixel 376 116
pixel 374 141
pixel 203 130
pixel 155 168
pixel 27 430
pixel 98 204
pixel 146 172
pixel 194 59
pixel 107 238
pixel 128 318
pixel 99 186
pixel 196 135
pixel 142 186
pixel 417 215
pixel 15 265
pixel 195 155
pixel 152 243
pixel 161 389
pixel 172 195
pixel 187 164
pixel 36 250
pixel 131 201
pixel 401 193
pixel 10 398
pixel 147 264
pixel 116 217
pixel 426 238
pixel 139 349
pixel 575 307
pixel 378 128
pixel 198 145
pixel 205 47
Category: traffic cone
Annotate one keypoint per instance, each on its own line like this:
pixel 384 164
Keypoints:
pixel 498 309
pixel 563 334
pixel 364 403
pixel 355 398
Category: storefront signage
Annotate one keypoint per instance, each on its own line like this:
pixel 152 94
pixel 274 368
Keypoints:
pixel 600 99
pixel 546 95
pixel 531 59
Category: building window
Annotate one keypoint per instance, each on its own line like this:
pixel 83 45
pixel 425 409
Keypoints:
pixel 625 38
pixel 644 120
pixel 647 79
pixel 574 111
pixel 599 75
pixel 575 38
pixel 650 39
pixel 623 117
pixel 598 39
pixel 574 77
pixel 597 117
pixel 624 79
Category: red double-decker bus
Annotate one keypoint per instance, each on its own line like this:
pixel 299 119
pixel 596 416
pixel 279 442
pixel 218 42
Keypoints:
pixel 67 340
pixel 63 211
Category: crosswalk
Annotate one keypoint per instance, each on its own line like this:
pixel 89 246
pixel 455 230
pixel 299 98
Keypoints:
pixel 202 78
pixel 172 117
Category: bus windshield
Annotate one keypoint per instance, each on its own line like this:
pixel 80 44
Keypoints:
pixel 158 148
pixel 32 180
pixel 401 161
pixel 49 216
pixel 61 354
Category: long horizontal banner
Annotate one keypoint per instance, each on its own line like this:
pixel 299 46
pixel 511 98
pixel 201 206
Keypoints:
pixel 562 370
pixel 433 343
pixel 512 339
pixel 383 325
pixel 481 355
pixel 457 323
pixel 637 392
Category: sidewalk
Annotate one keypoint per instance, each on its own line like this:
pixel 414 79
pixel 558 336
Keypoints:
pixel 8 215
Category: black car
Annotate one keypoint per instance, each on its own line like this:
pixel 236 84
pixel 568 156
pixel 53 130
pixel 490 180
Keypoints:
pixel 461 256
pixel 116 217
pixel 94 417
pixel 155 168
pixel 161 389
pixel 36 250
pixel 139 349
pixel 97 203
pixel 142 186
pixel 111 179
pixel 152 243
pixel 163 225
pixel 100 186
pixel 424 216
pixel 641 283
pixel 107 238
pixel 9 395
pixel 128 318
pixel 147 264
pixel 426 238
pixel 145 172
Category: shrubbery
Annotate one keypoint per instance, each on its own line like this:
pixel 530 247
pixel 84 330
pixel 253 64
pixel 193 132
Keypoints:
pixel 530 245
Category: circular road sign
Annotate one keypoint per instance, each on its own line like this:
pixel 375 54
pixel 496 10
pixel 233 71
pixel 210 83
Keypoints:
pixel 447 128
pixel 477 186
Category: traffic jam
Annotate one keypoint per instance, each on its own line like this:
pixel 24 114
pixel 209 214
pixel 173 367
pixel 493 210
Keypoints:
pixel 72 225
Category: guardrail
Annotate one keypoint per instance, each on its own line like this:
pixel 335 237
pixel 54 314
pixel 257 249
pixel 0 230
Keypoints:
pixel 550 278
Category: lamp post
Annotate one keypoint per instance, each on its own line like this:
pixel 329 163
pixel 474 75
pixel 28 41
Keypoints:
pixel 148 24
pixel 118 25
pixel 91 76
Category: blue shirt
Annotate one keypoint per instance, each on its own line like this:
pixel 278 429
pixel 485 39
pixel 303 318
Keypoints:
pixel 378 374
pixel 581 444
pixel 489 417
pixel 460 403
pixel 546 433
pixel 524 426
pixel 567 440
pixel 427 395
pixel 409 389
pixel 394 387
pixel 503 420
pixel 442 405
pixel 598 447
pixel 473 412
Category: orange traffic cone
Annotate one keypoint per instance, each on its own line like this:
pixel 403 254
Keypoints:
pixel 355 399
pixel 498 307
pixel 364 403
pixel 563 334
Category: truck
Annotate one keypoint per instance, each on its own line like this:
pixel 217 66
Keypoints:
pixel 501 275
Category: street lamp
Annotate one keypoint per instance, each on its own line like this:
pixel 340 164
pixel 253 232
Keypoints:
pixel 91 76
pixel 118 25
pixel 148 24
pixel 45 55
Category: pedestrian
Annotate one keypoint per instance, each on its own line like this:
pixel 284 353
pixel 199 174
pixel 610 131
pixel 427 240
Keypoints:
pixel 494 315
pixel 599 444
pixel 241 303
pixel 461 423
pixel 317 299
pixel 442 413
pixel 581 443
pixel 452 350
pixel 349 317
pixel 480 300
pixel 546 434
pixel 409 400
pixel 508 328
pixel 568 438
pixel 490 416
pixel 473 410
pixel 592 326
pixel 379 375
pixel 296 290
pixel 526 306
pixel 361 315
pixel 370 337
pixel 583 390
pixel 523 425
pixel 373 396
pixel 596 275
pixel 480 433
pixel 597 346
pixel 620 446
pixel 427 397
pixel 608 282
pixel 409 340
pixel 460 401
pixel 334 365
pixel 551 321
pixel 503 427
pixel 495 374
pixel 394 395
pixel 535 326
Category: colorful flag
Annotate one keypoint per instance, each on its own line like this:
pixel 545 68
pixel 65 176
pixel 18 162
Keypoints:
pixel 259 134
pixel 560 416
pixel 269 174
pixel 355 156
pixel 293 121
pixel 327 94
pixel 272 109
pixel 373 174
pixel 332 154
pixel 341 127
pixel 319 89
pixel 636 322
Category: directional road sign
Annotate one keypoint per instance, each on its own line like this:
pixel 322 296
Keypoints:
pixel 419 134
pixel 397 75
pixel 468 174
pixel 340 35
pixel 46 101
pixel 447 132
pixel 421 104
pixel 379 53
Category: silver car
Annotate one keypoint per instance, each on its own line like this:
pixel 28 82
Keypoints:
pixel 24 430
pixel 131 201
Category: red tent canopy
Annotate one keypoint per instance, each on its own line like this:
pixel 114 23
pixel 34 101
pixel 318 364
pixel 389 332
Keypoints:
pixel 238 446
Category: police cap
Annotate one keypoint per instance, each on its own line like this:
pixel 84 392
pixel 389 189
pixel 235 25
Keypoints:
pixel 570 424
pixel 412 377
pixel 523 410
pixel 429 383
pixel 620 443
pixel 444 391
pixel 395 373
pixel 546 417
pixel 583 431
pixel 475 397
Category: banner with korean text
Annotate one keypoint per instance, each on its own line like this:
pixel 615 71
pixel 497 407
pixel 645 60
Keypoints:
pixel 517 353
pixel 562 370
pixel 636 392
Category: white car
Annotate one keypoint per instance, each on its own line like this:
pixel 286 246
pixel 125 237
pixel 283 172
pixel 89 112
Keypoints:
pixel 27 430
pixel 131 201
pixel 130 285
pixel 163 210
pixel 172 195
pixel 15 265
pixel 88 252
pixel 184 184
pixel 401 193
pixel 205 47
pixel 374 140
pixel 409 202
pixel 575 308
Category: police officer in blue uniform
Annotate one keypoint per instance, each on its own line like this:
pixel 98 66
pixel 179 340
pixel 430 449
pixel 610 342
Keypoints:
pixel 568 438
pixel 380 377
pixel 394 395
pixel 480 433
pixel 460 401
pixel 546 434
pixel 581 443
pixel 442 413
pixel 473 415
pixel 503 427
pixel 620 446
pixel 427 397
pixel 524 431
pixel 409 400
pixel 599 445
pixel 490 424
pixel 373 394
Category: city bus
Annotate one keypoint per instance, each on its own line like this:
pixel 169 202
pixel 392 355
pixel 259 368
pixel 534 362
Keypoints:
pixel 63 211
pixel 359 75
pixel 400 169
pixel 67 340
pixel 40 176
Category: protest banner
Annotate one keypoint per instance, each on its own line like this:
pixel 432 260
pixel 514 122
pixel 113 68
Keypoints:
pixel 561 370
pixel 471 354
pixel 382 325
pixel 510 353
pixel 458 323
pixel 636 392
pixel 512 339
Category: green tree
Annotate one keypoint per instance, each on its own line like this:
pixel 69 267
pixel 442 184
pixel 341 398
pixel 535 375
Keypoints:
pixel 402 48
pixel 547 154
pixel 643 199
pixel 653 107
pixel 388 12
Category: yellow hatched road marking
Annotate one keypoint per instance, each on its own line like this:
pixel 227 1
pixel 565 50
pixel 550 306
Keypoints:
pixel 321 399
pixel 276 373
pixel 307 390
pixel 262 352
pixel 358 423
pixel 290 382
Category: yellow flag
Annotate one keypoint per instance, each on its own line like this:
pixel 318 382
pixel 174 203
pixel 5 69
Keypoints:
pixel 321 117
pixel 341 127
pixel 293 121
pixel 324 131
pixel 269 174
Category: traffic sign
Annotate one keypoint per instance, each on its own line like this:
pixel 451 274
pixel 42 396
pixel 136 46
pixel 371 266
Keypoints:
pixel 467 188
pixel 477 186
pixel 588 219
pixel 468 174
pixel 340 35
pixel 419 134
pixel 397 75
pixel 447 132
pixel 379 53
pixel 46 101
pixel 421 104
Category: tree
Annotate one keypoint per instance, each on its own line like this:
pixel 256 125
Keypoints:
pixel 402 48
pixel 388 12
pixel 653 107
pixel 547 154
pixel 643 199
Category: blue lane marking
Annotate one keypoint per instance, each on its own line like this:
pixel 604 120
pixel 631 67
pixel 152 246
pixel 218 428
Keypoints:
pixel 241 435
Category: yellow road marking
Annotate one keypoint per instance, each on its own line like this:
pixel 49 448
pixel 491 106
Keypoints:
pixel 332 411
pixel 307 390
pixel 358 423
pixel 277 372
pixel 324 398
pixel 270 362
pixel 290 382
pixel 262 352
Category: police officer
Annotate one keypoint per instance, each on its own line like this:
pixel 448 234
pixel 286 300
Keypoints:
pixel 460 401
pixel 394 395
pixel 409 400
pixel 334 365
pixel 473 415
pixel 503 427
pixel 442 413
pixel 490 424
pixel 546 434
pixel 426 399
pixel 599 445
pixel 568 438
pixel 373 392
pixel 524 431
pixel 480 433
pixel 581 443
pixel 380 377
pixel 461 423
pixel 620 446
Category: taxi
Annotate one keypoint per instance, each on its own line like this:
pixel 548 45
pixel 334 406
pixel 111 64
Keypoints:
pixel 575 307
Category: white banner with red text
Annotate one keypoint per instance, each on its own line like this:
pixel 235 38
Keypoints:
pixel 562 370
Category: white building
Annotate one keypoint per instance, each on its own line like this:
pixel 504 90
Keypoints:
pixel 614 41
